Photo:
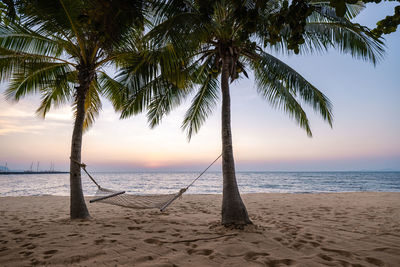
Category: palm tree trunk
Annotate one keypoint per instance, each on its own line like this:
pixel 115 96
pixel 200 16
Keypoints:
pixel 233 209
pixel 78 209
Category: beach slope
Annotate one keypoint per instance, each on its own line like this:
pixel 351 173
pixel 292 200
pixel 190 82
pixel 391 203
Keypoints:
pixel 338 229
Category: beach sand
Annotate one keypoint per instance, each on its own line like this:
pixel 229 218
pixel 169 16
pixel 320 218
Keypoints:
pixel 338 229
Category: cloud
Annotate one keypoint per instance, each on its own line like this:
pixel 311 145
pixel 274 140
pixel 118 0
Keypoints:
pixel 8 126
pixel 23 120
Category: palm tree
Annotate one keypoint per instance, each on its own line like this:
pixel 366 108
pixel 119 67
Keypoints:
pixel 60 49
pixel 220 43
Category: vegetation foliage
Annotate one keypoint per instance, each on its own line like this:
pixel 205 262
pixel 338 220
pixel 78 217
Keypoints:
pixel 166 51
pixel 60 49
pixel 223 41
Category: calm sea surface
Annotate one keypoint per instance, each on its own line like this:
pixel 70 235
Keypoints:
pixel 209 183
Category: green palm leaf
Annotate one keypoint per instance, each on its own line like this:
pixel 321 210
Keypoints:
pixel 273 74
pixel 36 77
pixel 22 40
pixel 111 89
pixel 347 39
pixel 92 105
pixel 278 96
pixel 202 106
pixel 164 101
pixel 57 93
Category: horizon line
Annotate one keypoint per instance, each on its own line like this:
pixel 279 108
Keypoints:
pixel 191 171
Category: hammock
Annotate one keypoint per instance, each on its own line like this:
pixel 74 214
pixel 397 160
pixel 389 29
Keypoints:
pixel 120 198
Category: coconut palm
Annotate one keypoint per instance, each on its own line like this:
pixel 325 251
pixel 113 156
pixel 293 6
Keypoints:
pixel 60 49
pixel 221 42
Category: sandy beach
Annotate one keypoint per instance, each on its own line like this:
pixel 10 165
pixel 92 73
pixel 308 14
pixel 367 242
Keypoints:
pixel 338 229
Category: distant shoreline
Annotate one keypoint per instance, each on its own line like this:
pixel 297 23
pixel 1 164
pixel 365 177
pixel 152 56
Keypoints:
pixel 29 172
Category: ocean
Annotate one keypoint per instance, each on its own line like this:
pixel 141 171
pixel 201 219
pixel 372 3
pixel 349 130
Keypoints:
pixel 209 183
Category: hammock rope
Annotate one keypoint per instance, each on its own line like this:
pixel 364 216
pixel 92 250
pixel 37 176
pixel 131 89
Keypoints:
pixel 120 198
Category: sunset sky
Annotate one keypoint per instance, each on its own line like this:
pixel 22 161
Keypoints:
pixel 365 134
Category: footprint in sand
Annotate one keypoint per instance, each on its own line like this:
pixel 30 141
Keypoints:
pixel 18 239
pixel 204 252
pixel 143 259
pixel 26 253
pixel 324 257
pixel 37 235
pixel 297 245
pixel 374 261
pixel 280 262
pixel 153 241
pixel 99 241
pixel 108 225
pixel 251 256
pixel 308 236
pixel 75 234
pixel 134 228
pixel 115 233
pixel 315 244
pixel 16 231
pixel 28 246
pixel 35 262
pixel 49 253
pixel 338 251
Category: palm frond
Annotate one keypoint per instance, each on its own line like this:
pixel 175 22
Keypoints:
pixel 23 50
pixel 347 38
pixel 92 105
pixel 140 80
pixel 112 90
pixel 57 93
pixel 24 40
pixel 279 97
pixel 324 30
pixel 202 106
pixel 14 63
pixel 168 96
pixel 151 72
pixel 273 74
pixel 140 93
pixel 174 28
pixel 352 10
pixel 57 18
pixel 68 8
pixel 35 77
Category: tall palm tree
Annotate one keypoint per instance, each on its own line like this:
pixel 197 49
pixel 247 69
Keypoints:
pixel 60 50
pixel 220 43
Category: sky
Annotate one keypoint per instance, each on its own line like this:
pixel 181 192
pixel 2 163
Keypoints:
pixel 365 134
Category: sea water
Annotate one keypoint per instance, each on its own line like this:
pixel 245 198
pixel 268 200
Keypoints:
pixel 209 183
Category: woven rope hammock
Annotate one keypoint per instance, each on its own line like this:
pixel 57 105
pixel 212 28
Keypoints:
pixel 120 198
